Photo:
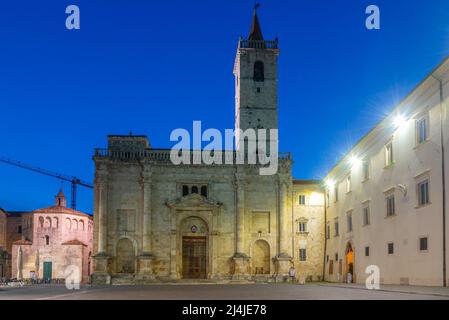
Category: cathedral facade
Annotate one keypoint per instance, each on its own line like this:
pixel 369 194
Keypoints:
pixel 155 220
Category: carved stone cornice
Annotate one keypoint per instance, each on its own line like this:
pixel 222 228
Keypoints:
pixel 193 201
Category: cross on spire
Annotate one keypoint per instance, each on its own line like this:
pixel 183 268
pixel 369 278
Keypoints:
pixel 256 30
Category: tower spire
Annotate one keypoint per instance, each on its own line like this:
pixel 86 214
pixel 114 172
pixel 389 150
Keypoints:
pixel 60 199
pixel 256 30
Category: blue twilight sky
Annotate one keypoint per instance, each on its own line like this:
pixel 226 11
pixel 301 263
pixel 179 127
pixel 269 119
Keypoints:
pixel 153 66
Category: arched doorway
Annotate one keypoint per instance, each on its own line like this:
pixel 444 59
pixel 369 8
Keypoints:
pixel 194 248
pixel 125 256
pixel 350 276
pixel 261 257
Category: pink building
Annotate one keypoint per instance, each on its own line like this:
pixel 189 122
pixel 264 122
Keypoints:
pixel 53 243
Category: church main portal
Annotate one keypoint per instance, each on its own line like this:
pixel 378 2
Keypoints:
pixel 194 257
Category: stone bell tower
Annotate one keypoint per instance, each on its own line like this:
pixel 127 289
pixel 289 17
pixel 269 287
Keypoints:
pixel 256 81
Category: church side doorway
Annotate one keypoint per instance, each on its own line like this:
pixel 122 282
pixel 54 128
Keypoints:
pixel 48 271
pixel 349 263
pixel 194 257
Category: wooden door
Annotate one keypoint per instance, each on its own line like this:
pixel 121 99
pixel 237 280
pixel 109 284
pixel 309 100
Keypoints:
pixel 48 271
pixel 194 257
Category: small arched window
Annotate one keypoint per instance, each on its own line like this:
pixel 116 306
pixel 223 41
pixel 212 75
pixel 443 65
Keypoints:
pixel 74 224
pixel 185 191
pixel 81 225
pixel 47 240
pixel 41 222
pixel 259 71
pixel 204 191
pixel 195 189
pixel 47 223
pixel 68 223
pixel 55 222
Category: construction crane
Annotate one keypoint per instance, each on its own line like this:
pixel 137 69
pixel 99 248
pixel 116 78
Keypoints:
pixel 73 180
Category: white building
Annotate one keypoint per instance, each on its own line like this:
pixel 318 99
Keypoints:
pixel 386 200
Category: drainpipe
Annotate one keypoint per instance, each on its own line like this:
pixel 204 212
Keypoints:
pixel 325 234
pixel 293 226
pixel 443 170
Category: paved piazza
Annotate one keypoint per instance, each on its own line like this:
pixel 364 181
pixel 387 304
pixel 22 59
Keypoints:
pixel 223 292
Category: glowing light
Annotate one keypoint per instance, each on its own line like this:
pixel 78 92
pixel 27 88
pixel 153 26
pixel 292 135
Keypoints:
pixel 330 183
pixel 316 199
pixel 399 121
pixel 355 162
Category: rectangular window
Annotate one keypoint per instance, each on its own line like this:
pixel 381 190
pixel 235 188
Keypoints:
pixel 336 257
pixel 421 130
pixel 19 229
pixel 391 248
pixel 391 209
pixel 366 173
pixel 348 184
pixel 336 192
pixel 423 244
pixel 302 255
pixel 327 258
pixel 349 221
pixel 328 231
pixel 389 159
pixel 366 251
pixel 331 267
pixel 302 199
pixel 366 215
pixel 327 198
pixel 302 227
pixel 336 228
pixel 423 193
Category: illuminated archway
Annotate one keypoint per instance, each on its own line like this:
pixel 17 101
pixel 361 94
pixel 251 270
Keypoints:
pixel 350 266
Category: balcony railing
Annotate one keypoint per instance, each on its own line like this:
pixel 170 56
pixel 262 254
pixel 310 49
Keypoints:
pixel 194 157
pixel 258 44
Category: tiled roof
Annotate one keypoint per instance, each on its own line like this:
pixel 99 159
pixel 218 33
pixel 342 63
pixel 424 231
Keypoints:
pixel 74 242
pixel 23 242
pixel 60 209
pixel 16 214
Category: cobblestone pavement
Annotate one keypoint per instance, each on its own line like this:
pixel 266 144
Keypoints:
pixel 225 292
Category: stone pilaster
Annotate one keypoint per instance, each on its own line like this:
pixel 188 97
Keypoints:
pixel 283 259
pixel 145 259
pixel 173 259
pixel 100 260
pixel 100 268
pixel 146 186
pixel 101 185
pixel 145 271
pixel 240 259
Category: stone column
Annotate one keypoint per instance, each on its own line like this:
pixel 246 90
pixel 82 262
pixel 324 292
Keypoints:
pixel 145 258
pixel 283 259
pixel 241 260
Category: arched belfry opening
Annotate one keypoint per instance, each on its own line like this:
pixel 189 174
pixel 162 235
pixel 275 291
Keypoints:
pixel 259 71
